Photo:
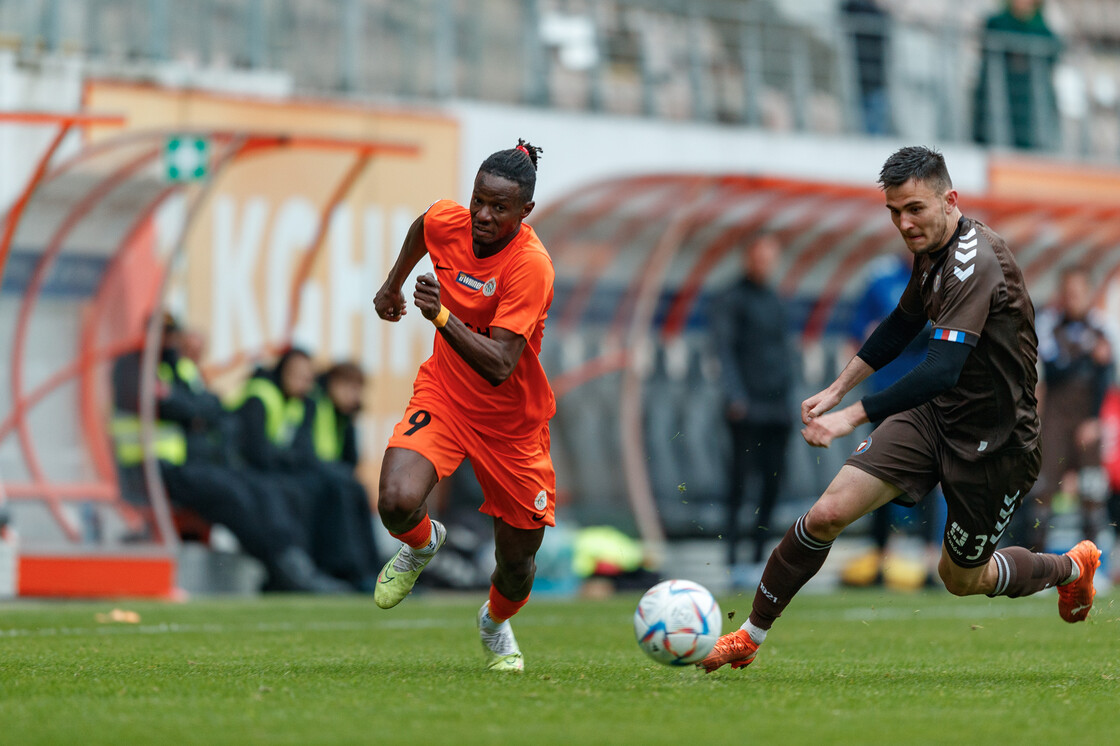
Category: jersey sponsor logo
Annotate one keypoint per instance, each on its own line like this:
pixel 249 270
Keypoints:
pixel 862 447
pixel 472 282
pixel 490 286
pixel 949 335
pixel 542 500
pixel 958 537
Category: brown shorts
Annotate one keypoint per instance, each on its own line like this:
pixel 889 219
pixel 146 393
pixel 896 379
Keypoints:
pixel 909 451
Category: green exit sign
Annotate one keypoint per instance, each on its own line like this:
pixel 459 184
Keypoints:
pixel 186 158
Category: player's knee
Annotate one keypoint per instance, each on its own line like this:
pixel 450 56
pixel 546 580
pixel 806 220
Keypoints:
pixel 395 502
pixel 958 588
pixel 951 585
pixel 955 583
pixel 826 521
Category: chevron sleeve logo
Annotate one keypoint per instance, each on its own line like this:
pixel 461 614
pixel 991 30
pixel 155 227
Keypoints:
pixel 965 253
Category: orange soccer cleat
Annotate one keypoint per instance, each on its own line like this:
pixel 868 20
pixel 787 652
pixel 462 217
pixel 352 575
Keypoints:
pixel 736 648
pixel 1076 598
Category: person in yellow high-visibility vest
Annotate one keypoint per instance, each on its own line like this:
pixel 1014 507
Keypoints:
pixel 195 475
pixel 338 400
pixel 275 417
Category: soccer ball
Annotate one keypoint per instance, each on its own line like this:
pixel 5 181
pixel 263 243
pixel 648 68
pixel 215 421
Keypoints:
pixel 677 622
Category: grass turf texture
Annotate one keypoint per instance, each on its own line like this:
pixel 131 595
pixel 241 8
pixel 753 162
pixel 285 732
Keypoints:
pixel 858 667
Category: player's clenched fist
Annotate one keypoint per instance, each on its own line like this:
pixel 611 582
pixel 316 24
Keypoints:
pixel 426 296
pixel 818 404
pixel 389 303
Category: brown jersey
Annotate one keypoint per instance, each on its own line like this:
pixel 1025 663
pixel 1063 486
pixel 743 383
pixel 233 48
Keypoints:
pixel 973 292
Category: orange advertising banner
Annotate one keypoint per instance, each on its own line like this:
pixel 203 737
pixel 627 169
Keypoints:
pixel 1021 177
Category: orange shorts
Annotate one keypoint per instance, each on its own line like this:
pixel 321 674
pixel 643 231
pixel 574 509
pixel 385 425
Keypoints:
pixel 516 475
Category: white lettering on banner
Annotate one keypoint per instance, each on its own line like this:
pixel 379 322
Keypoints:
pixel 169 222
pixel 338 296
pixel 373 225
pixel 353 282
pixel 306 333
pixel 399 356
pixel 292 231
pixel 235 322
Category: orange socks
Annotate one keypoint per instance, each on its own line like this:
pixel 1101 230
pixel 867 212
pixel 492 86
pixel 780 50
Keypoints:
pixel 418 536
pixel 501 608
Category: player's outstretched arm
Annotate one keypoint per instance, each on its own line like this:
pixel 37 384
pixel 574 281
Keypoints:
pixel 823 401
pixel 821 431
pixel 389 302
pixel 493 357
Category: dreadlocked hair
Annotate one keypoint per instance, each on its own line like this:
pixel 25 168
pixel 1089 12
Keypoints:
pixel 518 164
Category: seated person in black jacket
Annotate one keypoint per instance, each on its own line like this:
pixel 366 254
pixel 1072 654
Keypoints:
pixel 188 445
pixel 275 418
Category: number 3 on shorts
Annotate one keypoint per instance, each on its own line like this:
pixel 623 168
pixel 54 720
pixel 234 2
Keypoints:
pixel 418 419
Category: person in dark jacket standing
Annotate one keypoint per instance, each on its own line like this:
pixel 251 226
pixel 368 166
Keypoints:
pixel 1019 52
pixel 758 367
pixel 1075 350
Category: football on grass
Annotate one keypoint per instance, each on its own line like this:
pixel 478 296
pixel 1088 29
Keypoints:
pixel 677 622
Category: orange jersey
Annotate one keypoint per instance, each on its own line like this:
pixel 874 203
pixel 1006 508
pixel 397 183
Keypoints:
pixel 511 290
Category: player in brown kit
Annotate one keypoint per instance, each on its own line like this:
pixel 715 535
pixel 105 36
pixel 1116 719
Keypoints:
pixel 965 417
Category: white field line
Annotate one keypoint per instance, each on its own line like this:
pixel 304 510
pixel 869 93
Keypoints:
pixel 998 609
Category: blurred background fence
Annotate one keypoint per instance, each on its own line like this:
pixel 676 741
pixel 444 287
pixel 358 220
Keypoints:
pixel 910 69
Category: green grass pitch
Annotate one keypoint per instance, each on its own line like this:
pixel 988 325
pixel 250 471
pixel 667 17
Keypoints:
pixel 852 668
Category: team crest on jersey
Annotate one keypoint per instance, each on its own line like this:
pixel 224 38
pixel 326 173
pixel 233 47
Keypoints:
pixel 472 282
pixel 862 447
pixel 542 500
pixel 937 282
pixel 490 286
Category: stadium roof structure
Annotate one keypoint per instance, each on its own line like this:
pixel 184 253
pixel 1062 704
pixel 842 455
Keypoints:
pixel 638 259
pixel 65 248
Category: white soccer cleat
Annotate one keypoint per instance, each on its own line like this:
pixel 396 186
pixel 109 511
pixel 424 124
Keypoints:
pixel 399 574
pixel 502 652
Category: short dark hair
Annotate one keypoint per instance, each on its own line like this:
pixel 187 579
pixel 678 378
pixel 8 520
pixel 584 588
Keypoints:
pixel 286 356
pixel 915 162
pixel 518 164
pixel 345 371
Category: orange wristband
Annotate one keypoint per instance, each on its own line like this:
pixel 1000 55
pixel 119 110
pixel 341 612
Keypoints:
pixel 441 319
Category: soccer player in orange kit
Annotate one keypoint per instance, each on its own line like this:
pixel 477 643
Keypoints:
pixel 482 394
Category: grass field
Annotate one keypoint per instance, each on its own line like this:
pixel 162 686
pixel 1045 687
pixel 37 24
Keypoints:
pixel 851 668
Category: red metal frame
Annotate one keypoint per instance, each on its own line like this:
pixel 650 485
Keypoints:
pixel 89 355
